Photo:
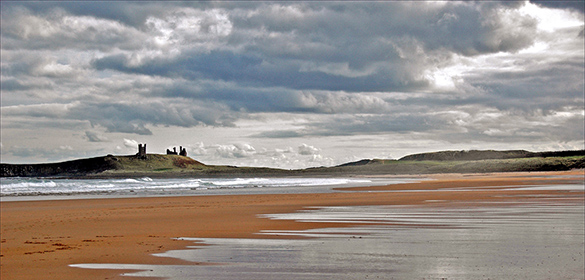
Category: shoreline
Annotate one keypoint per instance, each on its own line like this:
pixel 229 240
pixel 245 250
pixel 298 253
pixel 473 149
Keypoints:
pixel 43 237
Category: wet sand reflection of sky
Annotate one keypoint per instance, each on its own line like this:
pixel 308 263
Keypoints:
pixel 504 241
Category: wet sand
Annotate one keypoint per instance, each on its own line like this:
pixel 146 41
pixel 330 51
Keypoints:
pixel 498 240
pixel 41 238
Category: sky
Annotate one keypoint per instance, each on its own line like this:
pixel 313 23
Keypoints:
pixel 289 84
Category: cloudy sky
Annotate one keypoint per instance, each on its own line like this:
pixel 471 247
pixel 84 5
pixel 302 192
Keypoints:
pixel 289 84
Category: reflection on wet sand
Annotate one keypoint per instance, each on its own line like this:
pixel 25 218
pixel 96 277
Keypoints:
pixel 535 240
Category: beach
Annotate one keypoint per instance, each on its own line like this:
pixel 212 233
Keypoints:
pixel 44 237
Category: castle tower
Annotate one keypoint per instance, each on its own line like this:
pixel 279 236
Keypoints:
pixel 141 151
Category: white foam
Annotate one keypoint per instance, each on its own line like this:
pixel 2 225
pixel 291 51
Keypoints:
pixel 34 186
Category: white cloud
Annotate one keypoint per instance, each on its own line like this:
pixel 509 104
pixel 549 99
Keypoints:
pixel 198 149
pixel 284 151
pixel 187 26
pixel 52 110
pixel 551 20
pixel 130 143
pixel 53 69
pixel 58 28
pixel 305 149
pixel 235 150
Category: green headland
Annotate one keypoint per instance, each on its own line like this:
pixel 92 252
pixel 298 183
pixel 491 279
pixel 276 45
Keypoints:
pixel 171 165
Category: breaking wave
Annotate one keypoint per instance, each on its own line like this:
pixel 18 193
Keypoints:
pixel 35 186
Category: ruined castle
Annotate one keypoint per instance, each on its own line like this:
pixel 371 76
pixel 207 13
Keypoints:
pixel 142 151
pixel 182 151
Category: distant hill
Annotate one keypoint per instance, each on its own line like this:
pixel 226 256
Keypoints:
pixel 113 164
pixel 173 166
pixel 362 162
pixel 487 154
pixel 467 162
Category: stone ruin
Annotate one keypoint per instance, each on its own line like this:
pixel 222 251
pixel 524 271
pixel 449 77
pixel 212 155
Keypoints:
pixel 182 151
pixel 141 151
pixel 173 152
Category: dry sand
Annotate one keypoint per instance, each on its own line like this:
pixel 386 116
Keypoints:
pixel 41 238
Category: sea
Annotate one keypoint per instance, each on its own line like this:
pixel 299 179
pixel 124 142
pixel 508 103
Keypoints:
pixel 44 188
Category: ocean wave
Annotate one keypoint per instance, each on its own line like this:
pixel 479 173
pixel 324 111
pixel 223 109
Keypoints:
pixel 32 186
pixel 25 185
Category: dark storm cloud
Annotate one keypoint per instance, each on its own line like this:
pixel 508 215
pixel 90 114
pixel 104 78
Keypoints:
pixel 127 117
pixel 266 99
pixel 385 50
pixel 352 47
pixel 278 134
pixel 132 117
pixel 351 31
pixel 249 70
pixel 356 68
pixel 12 85
pixel 549 87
